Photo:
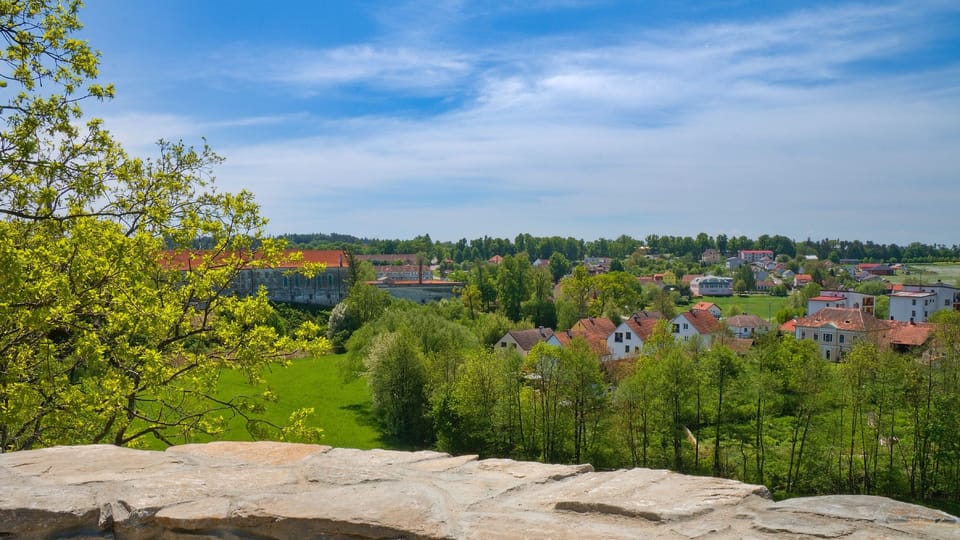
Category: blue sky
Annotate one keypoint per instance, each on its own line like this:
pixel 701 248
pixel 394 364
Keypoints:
pixel 555 117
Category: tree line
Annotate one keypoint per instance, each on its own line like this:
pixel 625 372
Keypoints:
pixel 622 247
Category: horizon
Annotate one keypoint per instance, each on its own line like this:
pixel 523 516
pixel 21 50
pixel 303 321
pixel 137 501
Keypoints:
pixel 584 119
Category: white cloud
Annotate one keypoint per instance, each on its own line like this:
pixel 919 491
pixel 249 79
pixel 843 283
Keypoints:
pixel 757 127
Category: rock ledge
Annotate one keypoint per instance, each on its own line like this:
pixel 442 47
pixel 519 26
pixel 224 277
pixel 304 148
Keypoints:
pixel 264 490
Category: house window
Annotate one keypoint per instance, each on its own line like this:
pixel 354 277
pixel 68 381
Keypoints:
pixel 841 338
pixel 628 336
pixel 828 354
pixel 503 344
pixel 827 338
pixel 913 313
pixel 626 348
pixel 803 335
pixel 686 326
pixel 914 301
pixel 814 336
pixel 618 337
pixel 676 328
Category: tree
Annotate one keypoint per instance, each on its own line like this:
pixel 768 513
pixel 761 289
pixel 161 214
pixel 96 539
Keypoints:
pixel 398 379
pixel 559 266
pixel 513 284
pixel 578 288
pixel 106 338
pixel 617 294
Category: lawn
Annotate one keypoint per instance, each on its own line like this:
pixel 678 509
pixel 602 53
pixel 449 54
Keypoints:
pixel 341 409
pixel 761 305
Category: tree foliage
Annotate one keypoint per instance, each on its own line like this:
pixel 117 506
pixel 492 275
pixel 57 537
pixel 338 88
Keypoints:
pixel 103 339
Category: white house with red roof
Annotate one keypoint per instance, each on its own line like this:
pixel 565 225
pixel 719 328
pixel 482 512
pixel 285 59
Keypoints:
pixel 694 323
pixel 628 338
pixel 841 299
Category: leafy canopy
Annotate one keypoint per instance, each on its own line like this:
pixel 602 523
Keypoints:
pixel 101 338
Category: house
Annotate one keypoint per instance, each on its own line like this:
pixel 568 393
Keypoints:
pixel 800 280
pixel 295 279
pixel 496 259
pixel 711 286
pixel 628 338
pixel 595 330
pixel 877 269
pixel 746 326
pixel 766 285
pixel 523 341
pixel 907 336
pixel 694 323
pixel 732 263
pixel 917 302
pixel 711 256
pixel 755 255
pixel 835 330
pixel 741 346
pixel 843 299
pixel 710 307
pixel 405 272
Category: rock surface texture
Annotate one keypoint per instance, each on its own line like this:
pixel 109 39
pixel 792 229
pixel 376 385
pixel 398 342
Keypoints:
pixel 267 490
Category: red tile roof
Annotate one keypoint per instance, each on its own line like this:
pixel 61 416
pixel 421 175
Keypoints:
pixel 290 258
pixel 909 334
pixel 595 330
pixel 850 319
pixel 789 326
pixel 702 321
pixel 704 306
pixel 642 327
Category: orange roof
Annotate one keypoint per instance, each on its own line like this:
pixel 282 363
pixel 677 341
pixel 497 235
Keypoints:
pixel 704 306
pixel 291 258
pixel 909 334
pixel 595 331
pixel 789 326
pixel 704 323
pixel 642 327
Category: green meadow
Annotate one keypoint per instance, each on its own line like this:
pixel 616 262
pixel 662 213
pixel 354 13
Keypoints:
pixel 341 409
pixel 761 305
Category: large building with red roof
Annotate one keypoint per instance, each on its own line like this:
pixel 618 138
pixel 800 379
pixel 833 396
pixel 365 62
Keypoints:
pixel 311 276
pixel 836 330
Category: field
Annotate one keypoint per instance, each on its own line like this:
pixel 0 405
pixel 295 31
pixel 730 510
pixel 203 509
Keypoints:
pixel 949 273
pixel 761 305
pixel 341 410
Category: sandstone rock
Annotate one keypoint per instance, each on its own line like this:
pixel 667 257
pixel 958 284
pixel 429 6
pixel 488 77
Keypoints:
pixel 265 490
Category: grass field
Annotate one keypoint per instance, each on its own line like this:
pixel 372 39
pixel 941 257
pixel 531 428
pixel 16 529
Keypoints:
pixel 763 306
pixel 949 273
pixel 341 409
